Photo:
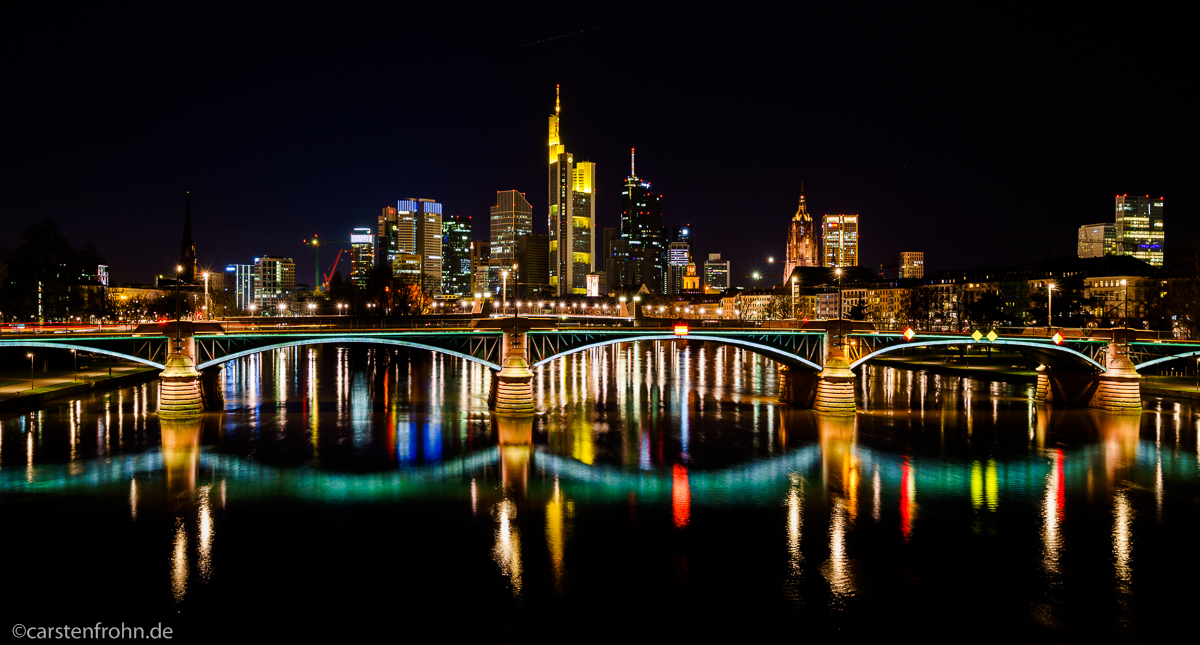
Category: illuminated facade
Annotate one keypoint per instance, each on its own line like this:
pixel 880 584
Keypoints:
pixel 413 227
pixel 456 255
pixel 801 241
pixel 239 278
pixel 1139 228
pixel 642 230
pixel 274 285
pixel 1097 240
pixel 362 256
pixel 716 272
pixel 533 264
pixel 679 253
pixel 572 215
pixel 912 264
pixel 511 217
pixel 840 238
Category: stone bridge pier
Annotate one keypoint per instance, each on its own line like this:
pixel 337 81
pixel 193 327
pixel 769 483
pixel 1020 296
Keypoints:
pixel 512 386
pixel 185 391
pixel 831 391
pixel 1118 388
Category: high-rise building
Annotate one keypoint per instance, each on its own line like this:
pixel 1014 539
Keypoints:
pixel 716 272
pixel 397 231
pixel 801 242
pixel 679 254
pixel 641 228
pixel 413 227
pixel 480 261
pixel 616 259
pixel 187 249
pixel 456 255
pixel 533 264
pixel 572 215
pixel 511 217
pixel 1097 240
pixel 912 264
pixel 840 239
pixel 362 256
pixel 1139 228
pixel 274 285
pixel 429 244
pixel 239 279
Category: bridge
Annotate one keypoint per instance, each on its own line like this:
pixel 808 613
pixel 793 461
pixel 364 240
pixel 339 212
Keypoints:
pixel 816 364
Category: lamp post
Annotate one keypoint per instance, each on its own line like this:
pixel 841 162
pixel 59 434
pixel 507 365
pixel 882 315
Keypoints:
pixel 1125 311
pixel 1049 307
pixel 30 355
pixel 793 298
pixel 503 292
pixel 178 277
pixel 75 355
pixel 838 271
pixel 206 303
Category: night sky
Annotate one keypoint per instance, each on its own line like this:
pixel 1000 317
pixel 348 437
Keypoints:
pixel 289 120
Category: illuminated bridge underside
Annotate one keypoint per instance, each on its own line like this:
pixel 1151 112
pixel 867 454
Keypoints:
pixel 451 478
pixel 478 347
pixel 795 349
pixel 1150 354
pixel 150 350
pixel 1076 355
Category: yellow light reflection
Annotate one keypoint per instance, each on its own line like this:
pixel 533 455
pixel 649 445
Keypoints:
pixel 204 561
pixel 1123 537
pixel 556 535
pixel 179 563
pixel 795 522
pixel 507 552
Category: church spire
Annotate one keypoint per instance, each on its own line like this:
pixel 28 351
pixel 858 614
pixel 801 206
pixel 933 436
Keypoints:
pixel 187 249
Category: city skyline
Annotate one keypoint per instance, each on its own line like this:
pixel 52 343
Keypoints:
pixel 251 186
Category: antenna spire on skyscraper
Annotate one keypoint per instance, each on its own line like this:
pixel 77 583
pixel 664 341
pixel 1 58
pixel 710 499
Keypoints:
pixel 631 171
pixel 556 102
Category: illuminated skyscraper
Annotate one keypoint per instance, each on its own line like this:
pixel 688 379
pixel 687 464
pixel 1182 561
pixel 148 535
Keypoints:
pixel 642 229
pixel 840 238
pixel 801 242
pixel 716 272
pixel 1097 240
pixel 456 255
pixel 511 217
pixel 679 254
pixel 572 215
pixel 1139 228
pixel 362 256
pixel 912 264
pixel 414 227
pixel 274 285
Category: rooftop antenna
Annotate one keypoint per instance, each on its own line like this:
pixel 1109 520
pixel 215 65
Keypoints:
pixel 631 172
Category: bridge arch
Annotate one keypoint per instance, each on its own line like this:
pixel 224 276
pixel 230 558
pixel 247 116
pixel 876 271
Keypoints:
pixel 1164 359
pixel 327 340
pixel 775 354
pixel 17 342
pixel 1040 351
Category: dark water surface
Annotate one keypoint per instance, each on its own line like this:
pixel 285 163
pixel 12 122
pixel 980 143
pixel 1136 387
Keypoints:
pixel 359 493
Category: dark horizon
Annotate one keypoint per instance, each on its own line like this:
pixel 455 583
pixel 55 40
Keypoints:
pixel 293 122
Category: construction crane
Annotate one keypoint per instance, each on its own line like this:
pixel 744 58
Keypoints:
pixel 316 243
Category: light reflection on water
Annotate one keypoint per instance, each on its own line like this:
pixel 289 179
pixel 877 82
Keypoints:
pixel 680 449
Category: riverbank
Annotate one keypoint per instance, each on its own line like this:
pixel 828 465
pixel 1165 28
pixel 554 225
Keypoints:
pixel 18 397
pixel 1182 387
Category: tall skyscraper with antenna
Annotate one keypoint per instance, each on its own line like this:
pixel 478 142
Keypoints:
pixel 801 243
pixel 572 214
pixel 641 227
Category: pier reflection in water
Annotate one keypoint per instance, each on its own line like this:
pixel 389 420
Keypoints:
pixel 377 482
